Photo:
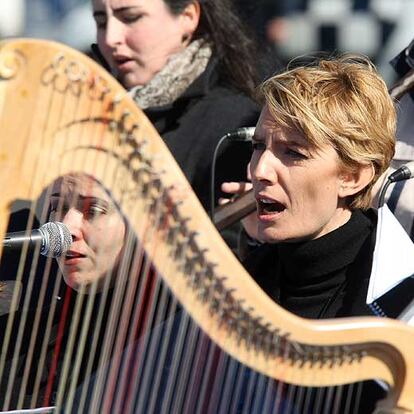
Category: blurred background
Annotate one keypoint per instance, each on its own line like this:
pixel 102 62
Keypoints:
pixel 377 28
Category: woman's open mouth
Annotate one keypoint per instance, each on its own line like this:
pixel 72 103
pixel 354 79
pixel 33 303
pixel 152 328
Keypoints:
pixel 123 63
pixel 268 208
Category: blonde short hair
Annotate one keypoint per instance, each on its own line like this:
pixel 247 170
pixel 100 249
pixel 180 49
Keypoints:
pixel 342 102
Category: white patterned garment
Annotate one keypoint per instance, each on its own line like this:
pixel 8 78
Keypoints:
pixel 400 196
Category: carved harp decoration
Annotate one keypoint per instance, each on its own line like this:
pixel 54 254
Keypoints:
pixel 61 114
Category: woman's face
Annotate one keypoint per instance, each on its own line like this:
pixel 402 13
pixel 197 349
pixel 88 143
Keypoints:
pixel 97 229
pixel 137 37
pixel 300 191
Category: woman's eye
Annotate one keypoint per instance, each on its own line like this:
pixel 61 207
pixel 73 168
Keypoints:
pixel 131 18
pixel 95 211
pixel 258 146
pixel 296 154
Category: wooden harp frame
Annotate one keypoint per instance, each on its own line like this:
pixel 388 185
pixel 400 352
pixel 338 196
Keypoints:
pixel 47 91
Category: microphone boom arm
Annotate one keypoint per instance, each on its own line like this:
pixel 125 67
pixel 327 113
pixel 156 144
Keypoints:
pixel 234 211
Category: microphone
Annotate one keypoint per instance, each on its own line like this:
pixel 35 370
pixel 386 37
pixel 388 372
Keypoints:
pixel 405 172
pixel 241 134
pixel 54 238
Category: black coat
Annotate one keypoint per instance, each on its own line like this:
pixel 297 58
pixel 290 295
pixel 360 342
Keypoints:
pixel 193 124
pixel 328 278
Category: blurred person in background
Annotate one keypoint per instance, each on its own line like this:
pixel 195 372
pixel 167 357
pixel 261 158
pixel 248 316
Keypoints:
pixel 267 22
pixel 265 17
pixel 12 16
pixel 400 195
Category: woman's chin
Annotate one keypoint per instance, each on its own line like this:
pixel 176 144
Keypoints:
pixel 273 236
pixel 268 234
pixel 131 80
pixel 82 283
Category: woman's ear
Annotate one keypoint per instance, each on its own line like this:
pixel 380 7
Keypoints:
pixel 352 182
pixel 190 18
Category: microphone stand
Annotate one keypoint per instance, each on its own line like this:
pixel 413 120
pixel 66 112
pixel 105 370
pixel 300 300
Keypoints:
pixel 235 210
pixel 401 87
pixel 245 204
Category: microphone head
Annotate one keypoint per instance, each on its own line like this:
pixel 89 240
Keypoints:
pixel 244 134
pixel 57 239
pixel 405 172
pixel 410 167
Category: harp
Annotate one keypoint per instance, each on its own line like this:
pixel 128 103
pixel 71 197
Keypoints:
pixel 179 326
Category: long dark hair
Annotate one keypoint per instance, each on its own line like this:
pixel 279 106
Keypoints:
pixel 232 44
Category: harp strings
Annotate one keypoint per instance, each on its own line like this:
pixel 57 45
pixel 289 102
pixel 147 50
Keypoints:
pixel 105 323
pixel 152 309
pixel 124 336
pixel 139 328
pixel 153 348
pixel 138 320
pixel 181 337
pixel 331 392
pixel 71 88
pixel 98 393
pixel 30 285
pixel 72 91
pixel 46 96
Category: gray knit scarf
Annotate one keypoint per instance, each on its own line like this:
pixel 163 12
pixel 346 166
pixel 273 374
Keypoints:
pixel 175 77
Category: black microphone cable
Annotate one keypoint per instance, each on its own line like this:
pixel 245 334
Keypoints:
pixel 405 172
pixel 242 134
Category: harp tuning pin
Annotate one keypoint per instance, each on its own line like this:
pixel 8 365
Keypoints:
pixel 113 126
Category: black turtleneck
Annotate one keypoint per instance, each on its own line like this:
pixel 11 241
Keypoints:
pixel 322 278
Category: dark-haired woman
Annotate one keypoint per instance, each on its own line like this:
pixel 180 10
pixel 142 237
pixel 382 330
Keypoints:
pixel 190 66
